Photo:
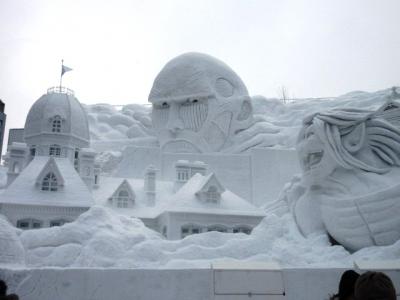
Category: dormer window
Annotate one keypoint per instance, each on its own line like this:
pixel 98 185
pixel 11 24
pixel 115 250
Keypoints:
pixel 124 196
pixel 55 150
pixel 50 183
pixel 212 194
pixel 122 199
pixel 56 124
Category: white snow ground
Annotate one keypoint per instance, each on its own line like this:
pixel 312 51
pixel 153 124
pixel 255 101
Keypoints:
pixel 103 238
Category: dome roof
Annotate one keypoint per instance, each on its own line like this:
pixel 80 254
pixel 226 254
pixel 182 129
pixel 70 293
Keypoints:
pixel 57 104
pixel 196 74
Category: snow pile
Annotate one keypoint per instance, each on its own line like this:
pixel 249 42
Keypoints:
pixel 106 122
pixel 102 238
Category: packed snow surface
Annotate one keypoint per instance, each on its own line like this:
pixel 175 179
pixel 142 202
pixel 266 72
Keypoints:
pixel 102 238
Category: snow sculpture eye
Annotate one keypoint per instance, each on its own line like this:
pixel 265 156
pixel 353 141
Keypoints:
pixel 223 87
pixel 193 113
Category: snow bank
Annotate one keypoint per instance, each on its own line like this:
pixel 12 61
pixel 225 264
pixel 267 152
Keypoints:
pixel 102 238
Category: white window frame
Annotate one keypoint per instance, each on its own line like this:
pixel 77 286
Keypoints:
pixel 212 194
pixel 49 183
pixel 56 124
pixel 32 223
pixel 190 229
pixel 55 150
pixel 122 201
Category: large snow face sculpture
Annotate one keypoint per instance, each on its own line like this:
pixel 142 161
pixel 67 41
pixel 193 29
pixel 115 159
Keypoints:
pixel 199 103
pixel 350 184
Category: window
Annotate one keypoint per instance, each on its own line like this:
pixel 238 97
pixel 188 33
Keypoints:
pixel 164 231
pixel 217 228
pixel 96 179
pixel 15 168
pixel 49 183
pixel 212 194
pixel 32 151
pixel 29 224
pixel 55 150
pixel 57 222
pixel 122 199
pixel 189 229
pixel 242 229
pixel 56 125
pixel 76 159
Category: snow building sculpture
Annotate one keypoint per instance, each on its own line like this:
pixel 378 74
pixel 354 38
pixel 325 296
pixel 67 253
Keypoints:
pixel 350 182
pixel 194 201
pixel 199 104
pixel 50 175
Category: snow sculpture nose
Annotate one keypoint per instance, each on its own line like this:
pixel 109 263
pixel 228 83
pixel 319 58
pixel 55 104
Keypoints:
pixel 174 123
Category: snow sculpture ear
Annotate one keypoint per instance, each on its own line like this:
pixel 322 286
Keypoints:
pixel 355 139
pixel 246 110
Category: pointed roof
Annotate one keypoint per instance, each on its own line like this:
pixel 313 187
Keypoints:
pixel 185 200
pixel 50 166
pixel 124 185
pixel 208 180
pixel 24 189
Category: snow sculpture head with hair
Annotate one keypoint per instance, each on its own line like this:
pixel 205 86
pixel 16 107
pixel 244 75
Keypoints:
pixel 199 103
pixel 350 185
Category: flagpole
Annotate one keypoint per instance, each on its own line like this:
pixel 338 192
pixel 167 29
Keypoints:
pixel 62 63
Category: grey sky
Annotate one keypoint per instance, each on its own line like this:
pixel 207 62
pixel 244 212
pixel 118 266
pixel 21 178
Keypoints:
pixel 116 48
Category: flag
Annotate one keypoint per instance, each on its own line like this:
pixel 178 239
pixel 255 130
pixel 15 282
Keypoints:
pixel 65 69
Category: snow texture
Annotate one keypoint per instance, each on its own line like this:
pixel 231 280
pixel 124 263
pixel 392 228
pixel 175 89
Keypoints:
pixel 103 238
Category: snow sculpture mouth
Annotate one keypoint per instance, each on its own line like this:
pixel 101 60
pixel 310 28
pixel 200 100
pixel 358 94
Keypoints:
pixel 313 159
pixel 193 114
pixel 180 146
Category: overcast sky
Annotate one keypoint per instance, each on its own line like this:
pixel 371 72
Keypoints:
pixel 116 48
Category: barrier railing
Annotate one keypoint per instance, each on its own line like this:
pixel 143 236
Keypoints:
pixel 60 90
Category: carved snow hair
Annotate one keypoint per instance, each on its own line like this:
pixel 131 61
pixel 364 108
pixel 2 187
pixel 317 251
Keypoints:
pixel 348 132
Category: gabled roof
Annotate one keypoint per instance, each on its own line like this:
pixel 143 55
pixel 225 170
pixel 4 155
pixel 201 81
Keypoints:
pixel 209 180
pixel 185 200
pixel 23 190
pixel 50 166
pixel 124 185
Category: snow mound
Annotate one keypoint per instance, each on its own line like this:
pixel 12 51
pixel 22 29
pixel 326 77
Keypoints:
pixel 102 238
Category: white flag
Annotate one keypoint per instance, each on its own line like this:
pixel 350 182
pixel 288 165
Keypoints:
pixel 65 69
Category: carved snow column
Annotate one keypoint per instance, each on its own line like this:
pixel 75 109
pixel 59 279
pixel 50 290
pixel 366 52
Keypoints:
pixel 185 170
pixel 86 166
pixel 150 185
pixel 18 158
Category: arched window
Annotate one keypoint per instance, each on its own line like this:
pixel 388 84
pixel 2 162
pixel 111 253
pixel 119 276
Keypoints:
pixel 122 199
pixel 55 150
pixel 56 125
pixel 49 183
pixel 212 194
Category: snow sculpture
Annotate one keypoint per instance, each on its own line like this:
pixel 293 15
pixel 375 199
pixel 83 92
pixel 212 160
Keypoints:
pixel 350 182
pixel 11 249
pixel 199 103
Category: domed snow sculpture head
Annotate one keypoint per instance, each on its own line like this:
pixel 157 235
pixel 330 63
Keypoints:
pixel 198 104
pixel 351 179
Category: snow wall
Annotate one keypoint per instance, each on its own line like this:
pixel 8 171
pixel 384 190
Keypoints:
pixel 183 284
pixel 258 177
